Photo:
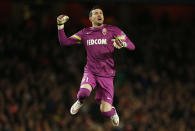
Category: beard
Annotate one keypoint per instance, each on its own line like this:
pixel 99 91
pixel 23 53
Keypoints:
pixel 99 23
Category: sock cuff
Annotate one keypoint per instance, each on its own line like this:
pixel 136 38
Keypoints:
pixel 109 113
pixel 83 94
pixel 84 91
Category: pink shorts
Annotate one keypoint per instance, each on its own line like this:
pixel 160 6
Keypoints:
pixel 105 88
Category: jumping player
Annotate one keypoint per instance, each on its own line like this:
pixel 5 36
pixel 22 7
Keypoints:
pixel 99 41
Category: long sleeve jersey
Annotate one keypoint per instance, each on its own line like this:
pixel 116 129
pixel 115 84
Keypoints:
pixel 99 47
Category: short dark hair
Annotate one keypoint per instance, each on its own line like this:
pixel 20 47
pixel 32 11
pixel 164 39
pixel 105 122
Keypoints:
pixel 95 7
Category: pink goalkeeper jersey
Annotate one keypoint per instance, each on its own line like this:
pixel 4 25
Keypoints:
pixel 99 47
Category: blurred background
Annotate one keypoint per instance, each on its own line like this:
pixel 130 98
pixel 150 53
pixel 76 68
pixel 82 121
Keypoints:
pixel 39 79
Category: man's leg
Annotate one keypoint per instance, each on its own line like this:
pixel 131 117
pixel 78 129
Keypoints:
pixel 104 96
pixel 108 110
pixel 87 84
pixel 82 95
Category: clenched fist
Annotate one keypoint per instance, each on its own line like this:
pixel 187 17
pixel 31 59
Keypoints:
pixel 61 20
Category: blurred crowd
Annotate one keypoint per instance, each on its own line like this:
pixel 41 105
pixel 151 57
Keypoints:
pixel 154 85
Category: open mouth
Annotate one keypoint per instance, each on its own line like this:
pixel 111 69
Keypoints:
pixel 99 19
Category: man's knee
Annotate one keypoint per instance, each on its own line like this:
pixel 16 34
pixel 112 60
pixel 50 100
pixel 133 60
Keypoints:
pixel 105 106
pixel 87 86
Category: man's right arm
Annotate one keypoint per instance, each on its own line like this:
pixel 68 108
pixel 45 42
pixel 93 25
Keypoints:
pixel 75 39
pixel 67 41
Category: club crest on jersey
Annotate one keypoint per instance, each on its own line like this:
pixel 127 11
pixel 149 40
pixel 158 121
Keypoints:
pixel 104 31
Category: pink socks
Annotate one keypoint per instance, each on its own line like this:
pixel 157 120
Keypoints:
pixel 108 113
pixel 83 94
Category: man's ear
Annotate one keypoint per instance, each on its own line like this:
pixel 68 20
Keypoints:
pixel 90 18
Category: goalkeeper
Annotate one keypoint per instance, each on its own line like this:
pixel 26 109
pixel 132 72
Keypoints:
pixel 99 41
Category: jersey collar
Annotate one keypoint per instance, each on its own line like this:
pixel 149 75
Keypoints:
pixel 97 28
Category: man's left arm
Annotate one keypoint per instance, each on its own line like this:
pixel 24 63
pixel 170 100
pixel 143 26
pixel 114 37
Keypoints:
pixel 121 40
